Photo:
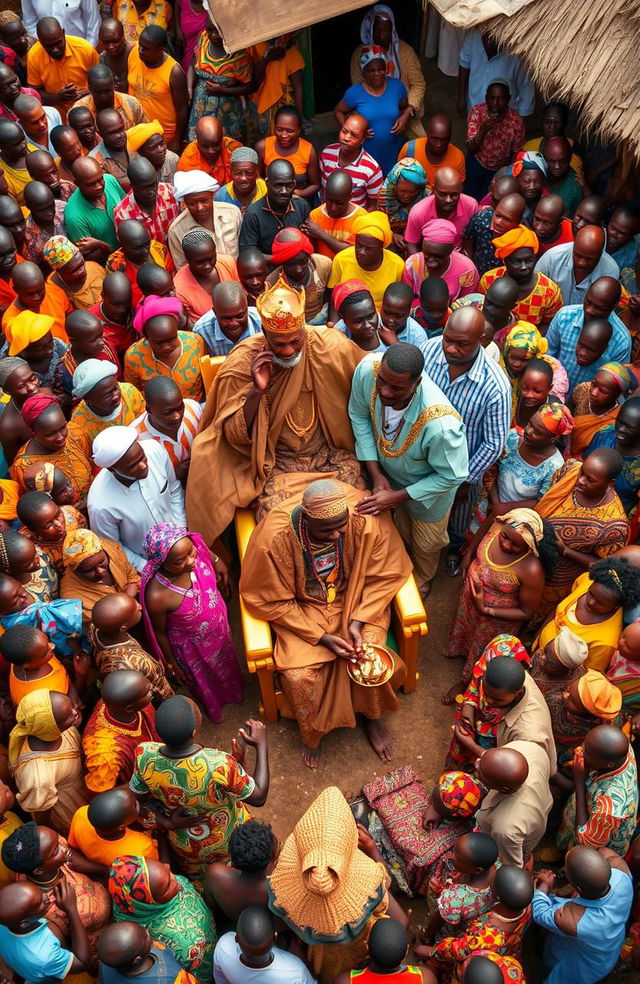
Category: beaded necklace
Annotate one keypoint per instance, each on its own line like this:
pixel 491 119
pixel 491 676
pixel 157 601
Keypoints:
pixel 328 584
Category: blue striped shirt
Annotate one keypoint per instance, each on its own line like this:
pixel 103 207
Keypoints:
pixel 563 333
pixel 482 397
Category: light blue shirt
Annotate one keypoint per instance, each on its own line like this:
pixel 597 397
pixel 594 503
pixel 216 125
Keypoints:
pixel 557 264
pixel 563 334
pixel 214 338
pixel 482 397
pixel 593 952
pixel 54 118
pixel 483 70
pixel 412 333
pixel 38 955
pixel 434 464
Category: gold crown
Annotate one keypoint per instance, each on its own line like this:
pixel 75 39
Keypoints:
pixel 281 308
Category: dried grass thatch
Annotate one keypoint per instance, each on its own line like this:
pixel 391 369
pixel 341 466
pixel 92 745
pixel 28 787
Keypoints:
pixel 585 53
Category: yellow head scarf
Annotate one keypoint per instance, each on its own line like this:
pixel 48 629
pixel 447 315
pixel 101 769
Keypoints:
pixel 34 716
pixel 515 239
pixel 525 336
pixel 78 546
pixel 26 328
pixel 139 134
pixel 374 224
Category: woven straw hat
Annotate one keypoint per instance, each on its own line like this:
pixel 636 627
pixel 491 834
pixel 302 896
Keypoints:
pixel 322 882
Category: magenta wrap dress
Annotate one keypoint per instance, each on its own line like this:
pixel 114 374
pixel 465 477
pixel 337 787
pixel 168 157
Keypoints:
pixel 198 631
pixel 192 25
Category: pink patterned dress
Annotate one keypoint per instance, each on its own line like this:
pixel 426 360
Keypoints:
pixel 198 631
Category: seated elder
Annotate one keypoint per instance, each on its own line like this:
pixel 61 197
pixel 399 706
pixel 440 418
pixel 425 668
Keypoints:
pixel 95 568
pixel 357 564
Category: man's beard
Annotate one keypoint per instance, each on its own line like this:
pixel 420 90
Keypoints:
pixel 287 363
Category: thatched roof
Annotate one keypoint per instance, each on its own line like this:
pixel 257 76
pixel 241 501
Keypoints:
pixel 469 13
pixel 585 53
pixel 245 22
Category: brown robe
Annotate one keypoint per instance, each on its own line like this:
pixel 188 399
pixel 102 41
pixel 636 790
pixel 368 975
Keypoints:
pixel 275 586
pixel 230 468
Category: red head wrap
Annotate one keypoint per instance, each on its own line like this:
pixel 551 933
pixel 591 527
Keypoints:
pixel 33 406
pixel 296 242
pixel 344 290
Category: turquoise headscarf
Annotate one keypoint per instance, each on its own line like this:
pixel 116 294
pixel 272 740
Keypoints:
pixel 397 213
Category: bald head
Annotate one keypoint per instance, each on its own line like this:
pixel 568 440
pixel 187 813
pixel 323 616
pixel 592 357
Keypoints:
pixel 154 279
pixel 354 129
pixel 140 169
pixel 547 218
pixel 209 128
pixel 447 178
pixel 19 903
pixel 605 748
pixel 590 211
pixel 468 321
pixel 122 944
pixel 557 154
pixel 508 213
pixel 587 250
pixel 439 127
pixel 89 178
pixel 38 196
pixel 502 187
pixel 503 769
pixel 588 871
pixel 26 276
pixel 339 186
pixel 79 324
pixel 116 288
pixel 125 691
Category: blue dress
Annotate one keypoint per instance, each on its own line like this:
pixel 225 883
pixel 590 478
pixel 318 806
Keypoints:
pixel 381 113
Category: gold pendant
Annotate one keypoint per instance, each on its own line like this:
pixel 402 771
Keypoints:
pixel 331 595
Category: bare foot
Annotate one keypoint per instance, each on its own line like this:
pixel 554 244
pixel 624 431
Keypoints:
pixel 452 693
pixel 310 756
pixel 379 739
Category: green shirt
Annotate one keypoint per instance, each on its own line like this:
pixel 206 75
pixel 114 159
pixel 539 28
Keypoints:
pixel 434 459
pixel 81 218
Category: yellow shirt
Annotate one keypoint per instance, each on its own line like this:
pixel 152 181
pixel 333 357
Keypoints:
pixel 44 72
pixel 345 267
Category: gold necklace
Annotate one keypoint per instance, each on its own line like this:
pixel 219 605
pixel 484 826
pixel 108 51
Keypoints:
pixel 301 430
pixel 385 447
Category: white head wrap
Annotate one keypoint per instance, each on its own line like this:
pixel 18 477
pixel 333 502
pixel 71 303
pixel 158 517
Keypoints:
pixel 192 183
pixel 571 650
pixel 89 373
pixel 111 444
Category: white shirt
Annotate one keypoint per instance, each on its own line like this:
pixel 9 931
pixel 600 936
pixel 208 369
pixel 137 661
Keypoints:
pixel 285 968
pixel 80 18
pixel 126 513
pixel 483 70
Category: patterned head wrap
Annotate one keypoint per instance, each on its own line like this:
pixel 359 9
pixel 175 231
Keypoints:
pixel 366 36
pixel 371 52
pixel 620 373
pixel 34 716
pixel 8 366
pixel 153 306
pixel 599 696
pixel 506 644
pixel 525 336
pixel 374 224
pixel 58 251
pixel 515 239
pixel 411 170
pixel 40 477
pixel 346 289
pixel 295 242
pixel 157 544
pixel 27 328
pixel 33 406
pixel 528 160
pixel 78 546
pixel 138 135
pixel 324 499
pixel 527 523
pixel 556 418
pixel 460 793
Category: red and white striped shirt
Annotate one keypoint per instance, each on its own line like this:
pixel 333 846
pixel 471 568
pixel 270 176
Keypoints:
pixel 180 449
pixel 364 172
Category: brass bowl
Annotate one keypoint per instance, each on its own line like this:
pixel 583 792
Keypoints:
pixel 387 656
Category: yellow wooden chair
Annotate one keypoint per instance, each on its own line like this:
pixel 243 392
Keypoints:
pixel 209 365
pixel 408 622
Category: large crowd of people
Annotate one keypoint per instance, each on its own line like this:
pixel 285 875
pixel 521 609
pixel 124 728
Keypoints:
pixel 380 354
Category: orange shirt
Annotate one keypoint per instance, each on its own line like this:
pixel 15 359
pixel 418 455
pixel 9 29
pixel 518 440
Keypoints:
pixel 84 837
pixel 299 161
pixel 44 72
pixel 340 229
pixel 417 149
pixel 192 160
pixel 51 305
pixel 56 679
pixel 152 89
